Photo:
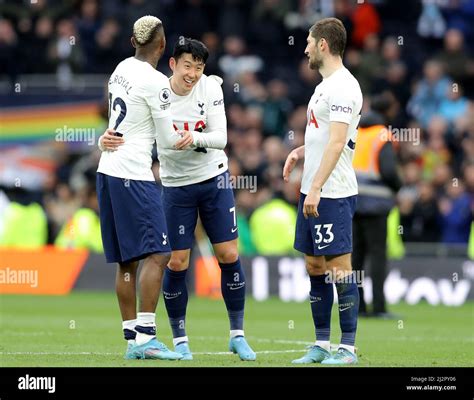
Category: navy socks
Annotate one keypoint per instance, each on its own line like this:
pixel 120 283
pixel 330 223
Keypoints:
pixel 233 292
pixel 348 294
pixel 321 298
pixel 175 294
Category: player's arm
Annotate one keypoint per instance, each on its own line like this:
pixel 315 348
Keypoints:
pixel 331 154
pixel 165 133
pixel 215 136
pixel 291 160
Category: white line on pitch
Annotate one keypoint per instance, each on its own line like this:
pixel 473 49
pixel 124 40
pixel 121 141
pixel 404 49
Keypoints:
pixel 87 353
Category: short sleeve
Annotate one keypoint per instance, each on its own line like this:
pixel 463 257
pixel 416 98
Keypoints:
pixel 341 106
pixel 215 95
pixel 158 96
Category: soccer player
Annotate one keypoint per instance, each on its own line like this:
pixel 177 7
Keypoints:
pixel 197 182
pixel 131 213
pixel 329 192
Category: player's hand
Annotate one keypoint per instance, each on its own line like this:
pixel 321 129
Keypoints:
pixel 290 163
pixel 310 205
pixel 185 141
pixel 109 141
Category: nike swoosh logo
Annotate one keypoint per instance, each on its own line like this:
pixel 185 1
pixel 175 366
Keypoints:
pixel 171 297
pixel 234 229
pixel 236 287
pixel 323 247
pixel 344 309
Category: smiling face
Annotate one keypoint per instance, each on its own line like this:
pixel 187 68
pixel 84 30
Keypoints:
pixel 186 73
pixel 315 58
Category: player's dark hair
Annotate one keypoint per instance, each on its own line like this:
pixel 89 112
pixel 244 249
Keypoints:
pixel 333 31
pixel 191 46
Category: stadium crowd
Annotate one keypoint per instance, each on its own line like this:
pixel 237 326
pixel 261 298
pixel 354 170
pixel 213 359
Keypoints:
pixel 414 61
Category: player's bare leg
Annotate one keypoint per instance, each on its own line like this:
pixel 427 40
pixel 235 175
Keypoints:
pixel 151 277
pixel 321 297
pixel 340 270
pixel 146 344
pixel 125 287
pixel 233 292
pixel 175 295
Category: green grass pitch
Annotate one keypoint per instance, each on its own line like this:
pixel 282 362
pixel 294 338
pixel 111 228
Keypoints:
pixel 84 330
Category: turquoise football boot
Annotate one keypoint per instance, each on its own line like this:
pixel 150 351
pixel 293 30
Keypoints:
pixel 154 350
pixel 341 357
pixel 238 345
pixel 183 349
pixel 129 355
pixel 316 354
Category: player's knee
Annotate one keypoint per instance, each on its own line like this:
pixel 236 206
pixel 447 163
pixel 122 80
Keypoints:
pixel 315 267
pixel 160 260
pixel 227 256
pixel 178 263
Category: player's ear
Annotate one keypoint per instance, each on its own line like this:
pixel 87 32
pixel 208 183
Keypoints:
pixel 134 44
pixel 172 63
pixel 324 43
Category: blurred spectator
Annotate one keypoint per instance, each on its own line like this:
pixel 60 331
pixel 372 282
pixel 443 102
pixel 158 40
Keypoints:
pixel 456 213
pixel 456 61
pixel 88 24
pixel 24 222
pixel 8 49
pixel 421 221
pixel 65 53
pixel 429 93
pixel 235 61
pixel 82 230
pixel 272 226
pixel 60 206
pixel 468 177
pixel 276 108
pixel 302 86
pixel 106 48
pixel 366 22
pixel 454 105
pixel 431 23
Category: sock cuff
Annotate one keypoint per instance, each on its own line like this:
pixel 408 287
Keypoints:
pixel 129 324
pixel 128 334
pixel 146 330
pixel 176 274
pixel 229 266
pixel 179 340
pixel 146 319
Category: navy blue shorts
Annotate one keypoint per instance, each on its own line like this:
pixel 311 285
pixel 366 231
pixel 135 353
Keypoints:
pixel 331 232
pixel 213 199
pixel 132 221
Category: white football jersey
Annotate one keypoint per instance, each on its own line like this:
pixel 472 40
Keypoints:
pixel 138 93
pixel 337 98
pixel 190 112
